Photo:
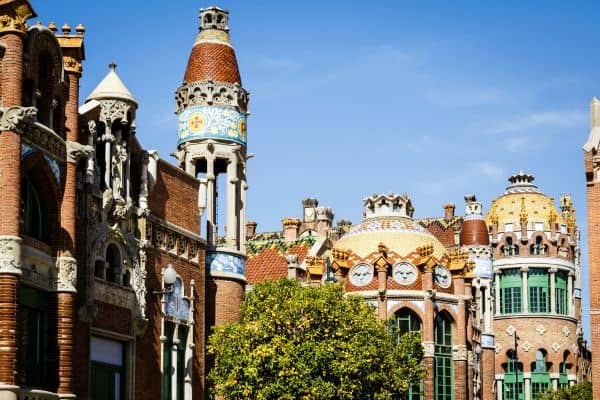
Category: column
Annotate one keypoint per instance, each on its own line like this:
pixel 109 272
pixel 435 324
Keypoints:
pixel 382 284
pixel 67 262
pixel 10 168
pixel 497 273
pixel 107 137
pixel 570 310
pixel 428 339
pixel 210 201
pixel 552 290
pixel 174 361
pixel 525 290
pixel 460 354
pixel 527 384
pixel 554 383
pixel 499 389
pixel 232 184
pixel 242 213
pixel 487 368
pixel 488 310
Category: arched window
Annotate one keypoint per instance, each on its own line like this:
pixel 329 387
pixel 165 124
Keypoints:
pixel 33 213
pixel 113 259
pixel 539 248
pixel 513 378
pixel 540 378
pixel 444 382
pixel 45 89
pixel 406 321
pixel 510 249
pixel 563 369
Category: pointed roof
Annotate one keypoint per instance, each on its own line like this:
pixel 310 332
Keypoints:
pixel 112 87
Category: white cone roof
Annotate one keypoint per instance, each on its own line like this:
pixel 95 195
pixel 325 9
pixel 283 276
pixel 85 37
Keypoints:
pixel 112 87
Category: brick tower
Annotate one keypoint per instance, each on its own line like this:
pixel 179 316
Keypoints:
pixel 474 239
pixel 212 111
pixel 592 178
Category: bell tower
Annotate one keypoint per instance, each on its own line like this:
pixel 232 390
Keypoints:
pixel 212 112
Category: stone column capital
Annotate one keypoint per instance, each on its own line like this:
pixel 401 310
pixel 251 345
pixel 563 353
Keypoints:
pixel 10 255
pixel 66 279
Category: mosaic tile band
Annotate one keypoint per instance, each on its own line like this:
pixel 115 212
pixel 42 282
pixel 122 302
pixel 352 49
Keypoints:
pixel 226 262
pixel 212 122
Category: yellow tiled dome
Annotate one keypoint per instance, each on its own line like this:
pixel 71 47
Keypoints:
pixel 523 198
pixel 400 234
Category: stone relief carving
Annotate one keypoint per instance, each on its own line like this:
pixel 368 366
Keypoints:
pixel 541 329
pixel 510 330
pixel 556 347
pixel 526 346
pixel 44 139
pixel 10 255
pixel 566 331
pixel 428 349
pixel 498 348
pixel 66 280
pixel 212 93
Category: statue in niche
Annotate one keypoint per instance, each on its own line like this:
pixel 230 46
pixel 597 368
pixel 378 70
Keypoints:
pixel 118 161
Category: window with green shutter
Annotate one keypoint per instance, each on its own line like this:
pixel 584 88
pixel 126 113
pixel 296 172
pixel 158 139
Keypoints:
pixel 538 282
pixel 560 288
pixel 406 321
pixel 510 291
pixel 540 378
pixel 514 388
pixel 444 382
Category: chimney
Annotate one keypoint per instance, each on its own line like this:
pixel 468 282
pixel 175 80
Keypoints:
pixel 324 220
pixel 449 211
pixel 292 263
pixel 250 229
pixel 290 228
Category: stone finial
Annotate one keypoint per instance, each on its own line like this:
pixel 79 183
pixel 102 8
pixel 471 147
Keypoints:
pixel 214 18
pixel 310 202
pixel 80 29
pixel 52 26
pixel 521 183
pixel 388 205
pixel 292 264
pixel 473 207
pixel 325 214
pixel 66 29
pixel 593 141
pixel 595 112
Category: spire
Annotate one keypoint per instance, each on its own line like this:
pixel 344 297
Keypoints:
pixel 112 87
pixel 213 57
pixel 593 141
pixel 521 183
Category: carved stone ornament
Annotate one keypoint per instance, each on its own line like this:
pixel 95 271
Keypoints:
pixel 541 329
pixel 66 280
pixel 44 139
pixel 10 255
pixel 12 118
pixel 566 331
pixel 460 352
pixel 77 151
pixel 498 348
pixel 428 349
pixel 510 330
pixel 556 347
pixel 15 16
pixel 212 93
pixel 526 346
pixel 112 110
pixel 71 64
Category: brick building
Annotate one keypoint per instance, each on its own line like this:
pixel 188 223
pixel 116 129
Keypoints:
pixel 108 283
pixel 496 297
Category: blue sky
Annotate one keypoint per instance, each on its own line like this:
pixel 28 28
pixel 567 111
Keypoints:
pixel 348 98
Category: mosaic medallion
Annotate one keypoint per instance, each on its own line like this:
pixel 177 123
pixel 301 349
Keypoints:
pixel 442 276
pixel 361 274
pixel 404 273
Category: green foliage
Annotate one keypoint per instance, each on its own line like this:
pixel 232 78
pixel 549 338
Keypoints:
pixel 581 391
pixel 311 343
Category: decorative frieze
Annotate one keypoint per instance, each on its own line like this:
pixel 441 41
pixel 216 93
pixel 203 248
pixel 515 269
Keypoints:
pixel 459 352
pixel 10 255
pixel 113 110
pixel 45 139
pixel 12 118
pixel 428 349
pixel 212 93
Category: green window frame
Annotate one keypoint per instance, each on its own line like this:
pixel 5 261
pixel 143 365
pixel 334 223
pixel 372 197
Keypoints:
pixel 513 379
pixel 406 321
pixel 443 362
pixel 511 286
pixel 538 282
pixel 540 378
pixel 560 293
pixel 168 370
pixel 32 332
pixel 563 376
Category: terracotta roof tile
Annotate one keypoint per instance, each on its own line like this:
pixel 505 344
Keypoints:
pixel 212 61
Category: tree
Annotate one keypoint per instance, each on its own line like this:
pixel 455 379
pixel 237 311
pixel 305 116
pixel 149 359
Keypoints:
pixel 581 391
pixel 299 342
